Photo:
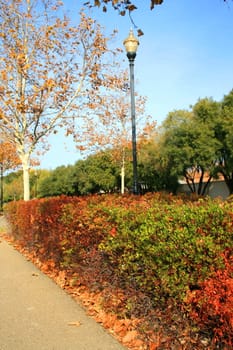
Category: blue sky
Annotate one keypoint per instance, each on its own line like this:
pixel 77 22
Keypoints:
pixel 186 53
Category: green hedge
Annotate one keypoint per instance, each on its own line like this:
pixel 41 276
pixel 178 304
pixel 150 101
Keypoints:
pixel 170 247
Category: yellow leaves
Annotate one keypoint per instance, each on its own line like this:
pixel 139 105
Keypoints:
pixel 36 88
pixel 27 66
pixel 2 35
pixel 21 59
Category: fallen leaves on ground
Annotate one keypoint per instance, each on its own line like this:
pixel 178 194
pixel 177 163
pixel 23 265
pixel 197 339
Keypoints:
pixel 158 330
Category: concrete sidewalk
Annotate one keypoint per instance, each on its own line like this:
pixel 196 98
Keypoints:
pixel 35 313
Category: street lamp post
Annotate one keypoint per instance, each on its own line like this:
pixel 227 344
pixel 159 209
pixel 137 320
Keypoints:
pixel 131 44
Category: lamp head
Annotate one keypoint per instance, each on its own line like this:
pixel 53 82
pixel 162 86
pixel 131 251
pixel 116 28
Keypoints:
pixel 131 45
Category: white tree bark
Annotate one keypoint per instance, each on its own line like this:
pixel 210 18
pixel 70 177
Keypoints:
pixel 25 159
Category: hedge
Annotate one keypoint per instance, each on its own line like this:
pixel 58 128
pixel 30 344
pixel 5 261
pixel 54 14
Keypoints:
pixel 166 247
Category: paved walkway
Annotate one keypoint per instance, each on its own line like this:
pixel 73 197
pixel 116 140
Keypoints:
pixel 35 314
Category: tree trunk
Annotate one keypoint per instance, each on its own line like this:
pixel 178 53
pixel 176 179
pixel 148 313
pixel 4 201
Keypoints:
pixel 26 183
pixel 123 174
pixel 1 200
pixel 229 183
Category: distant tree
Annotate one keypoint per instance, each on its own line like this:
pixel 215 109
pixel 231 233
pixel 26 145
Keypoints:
pixel 47 67
pixel 224 134
pixel 153 171
pixel 9 160
pixel 189 146
pixel 56 182
pixel 13 186
pixel 37 176
pixel 96 174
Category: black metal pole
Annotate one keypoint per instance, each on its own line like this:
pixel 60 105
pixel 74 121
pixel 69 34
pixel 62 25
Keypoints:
pixel 131 56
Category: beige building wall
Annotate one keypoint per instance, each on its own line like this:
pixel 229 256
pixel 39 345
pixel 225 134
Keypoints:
pixel 215 189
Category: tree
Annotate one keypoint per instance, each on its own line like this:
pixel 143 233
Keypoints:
pixel 47 66
pixel 56 182
pixel 108 123
pixel 8 161
pixel 224 134
pixel 95 174
pixel 153 172
pixel 189 146
pixel 13 186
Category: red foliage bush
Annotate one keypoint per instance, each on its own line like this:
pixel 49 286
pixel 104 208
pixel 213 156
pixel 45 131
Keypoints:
pixel 212 305
pixel 64 229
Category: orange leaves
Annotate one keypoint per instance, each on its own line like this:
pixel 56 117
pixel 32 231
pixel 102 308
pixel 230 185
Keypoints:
pixel 113 232
pixel 3 75
pixel 8 156
pixel 97 3
pixel 49 84
pixel 153 346
pixel 155 2
pixel 124 329
pixel 131 7
pixel 130 337
pixel 21 58
pixel 212 305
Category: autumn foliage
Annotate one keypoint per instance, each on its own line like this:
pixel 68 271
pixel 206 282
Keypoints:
pixel 50 70
pixel 156 269
pixel 212 303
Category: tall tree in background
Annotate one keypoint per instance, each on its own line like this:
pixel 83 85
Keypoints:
pixel 108 123
pixel 224 134
pixel 47 66
pixel 153 169
pixel 189 146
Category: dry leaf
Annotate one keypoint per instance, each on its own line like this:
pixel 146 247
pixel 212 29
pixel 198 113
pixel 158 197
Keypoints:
pixel 75 323
pixel 129 337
